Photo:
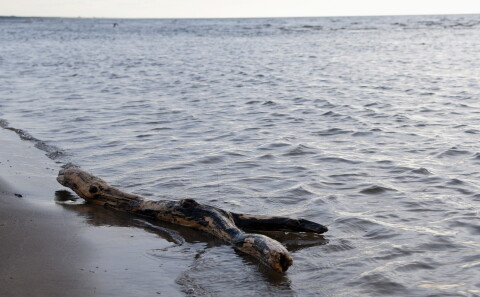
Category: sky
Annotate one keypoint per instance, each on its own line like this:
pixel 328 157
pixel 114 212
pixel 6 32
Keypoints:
pixel 232 8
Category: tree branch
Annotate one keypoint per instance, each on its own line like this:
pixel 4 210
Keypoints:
pixel 187 212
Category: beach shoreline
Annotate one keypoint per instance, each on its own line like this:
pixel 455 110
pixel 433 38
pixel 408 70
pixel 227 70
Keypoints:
pixel 58 248
pixel 39 256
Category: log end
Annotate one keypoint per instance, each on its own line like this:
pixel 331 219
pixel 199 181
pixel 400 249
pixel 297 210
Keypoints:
pixel 309 226
pixel 96 190
pixel 61 177
pixel 268 251
pixel 81 182
pixel 276 223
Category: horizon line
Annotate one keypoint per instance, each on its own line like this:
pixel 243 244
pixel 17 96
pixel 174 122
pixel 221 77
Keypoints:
pixel 239 17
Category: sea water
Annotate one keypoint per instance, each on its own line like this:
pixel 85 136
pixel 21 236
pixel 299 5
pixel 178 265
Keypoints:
pixel 369 125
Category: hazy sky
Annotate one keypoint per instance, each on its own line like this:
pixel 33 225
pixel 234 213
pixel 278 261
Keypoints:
pixel 232 8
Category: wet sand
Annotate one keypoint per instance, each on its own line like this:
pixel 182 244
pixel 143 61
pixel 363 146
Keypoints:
pixel 54 245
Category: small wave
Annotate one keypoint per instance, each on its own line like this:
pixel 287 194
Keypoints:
pixel 375 190
pixel 245 164
pixel 378 284
pixel 359 134
pixel 464 25
pixel 380 234
pixel 211 160
pixel 422 171
pixel 234 154
pixel 299 191
pixel 278 144
pixel 431 23
pixel 453 152
pixel 398 169
pixel 331 132
pixel 82 119
pixel 113 144
pixel 440 243
pixel 340 246
pixel 416 206
pixel 300 150
pixel 169 184
pixel 410 267
pixel 144 135
pixel 161 129
pixel 355 224
pixel 267 157
pixel 230 134
pixel 273 146
pixel 397 252
pixel 258 180
pixel 471 226
pixel 455 182
pixel 337 160
pixel 348 176
pixel 331 114
pixel 269 102
pixel 313 27
pixel 290 170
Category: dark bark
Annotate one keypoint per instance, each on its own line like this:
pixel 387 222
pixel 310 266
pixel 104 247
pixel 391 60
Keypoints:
pixel 187 212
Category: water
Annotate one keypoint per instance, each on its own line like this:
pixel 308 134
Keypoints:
pixel 369 125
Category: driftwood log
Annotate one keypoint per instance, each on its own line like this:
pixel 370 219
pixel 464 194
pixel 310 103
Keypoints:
pixel 187 212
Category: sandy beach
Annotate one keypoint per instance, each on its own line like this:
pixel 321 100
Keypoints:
pixel 54 245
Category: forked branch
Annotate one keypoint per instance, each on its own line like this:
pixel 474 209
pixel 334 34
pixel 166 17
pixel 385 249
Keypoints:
pixel 187 212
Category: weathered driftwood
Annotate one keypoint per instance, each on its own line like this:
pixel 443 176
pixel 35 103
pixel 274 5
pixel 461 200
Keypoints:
pixel 187 212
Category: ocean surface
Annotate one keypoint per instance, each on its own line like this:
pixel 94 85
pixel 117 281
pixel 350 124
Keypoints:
pixel 369 125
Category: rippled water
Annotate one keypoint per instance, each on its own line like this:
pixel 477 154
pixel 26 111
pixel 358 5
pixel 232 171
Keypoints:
pixel 369 125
